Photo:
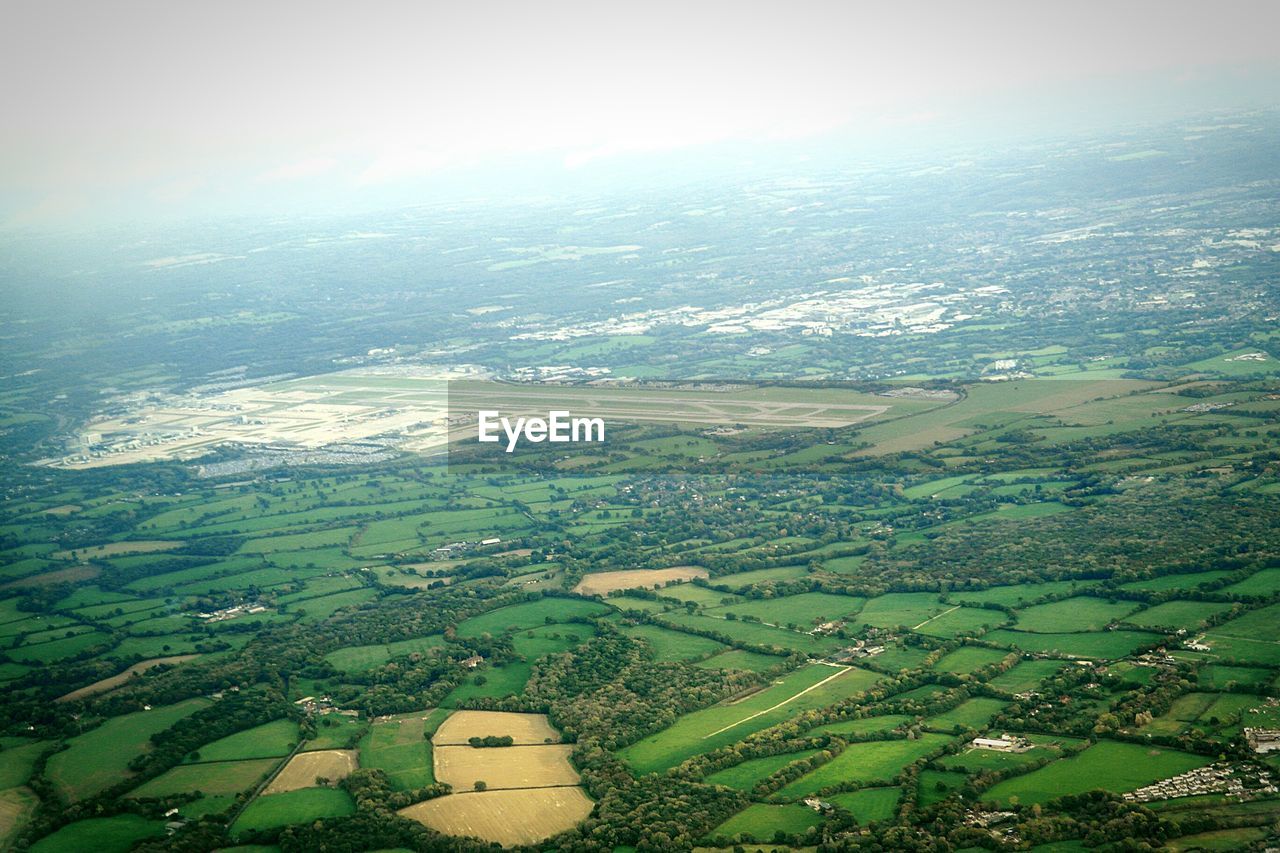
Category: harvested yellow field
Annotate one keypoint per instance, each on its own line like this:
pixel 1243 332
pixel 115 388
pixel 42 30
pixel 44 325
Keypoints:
pixel 603 583
pixel 504 766
pixel 303 769
pixel 116 549
pixel 116 680
pixel 523 728
pixel 506 817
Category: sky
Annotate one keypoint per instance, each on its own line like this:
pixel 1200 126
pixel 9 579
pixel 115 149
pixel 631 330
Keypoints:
pixel 139 109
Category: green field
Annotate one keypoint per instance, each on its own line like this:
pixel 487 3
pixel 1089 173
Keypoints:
pixel 723 724
pixel 1186 582
pixel 365 658
pixel 1108 765
pixel 400 747
pixel 301 806
pixel 755 633
pixel 738 659
pixel 862 725
pixel 744 776
pixel 116 834
pixel 1265 582
pixel 936 785
pixel 17 758
pixel 971 713
pixel 217 781
pixel 100 758
pixel 1251 638
pixel 509 679
pixel 1218 677
pixel 671 645
pixel 1209 711
pixel 760 822
pixel 797 611
pixel 269 740
pixel 1101 644
pixel 1082 613
pixel 966 659
pixel 1025 675
pixel 869 804
pixel 1172 615
pixel 745 579
pixel 530 614
pixel 961 620
pixel 911 609
pixel 335 731
pixel 872 761
pixel 699 595
pixel 1015 596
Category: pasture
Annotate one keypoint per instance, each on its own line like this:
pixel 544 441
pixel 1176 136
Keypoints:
pixel 1025 675
pixel 700 595
pixel 756 633
pixel 966 659
pixel 1265 582
pixel 671 645
pixel 961 620
pixel 335 731
pixel 269 740
pixel 365 658
pixel 530 614
pixel 1105 645
pixel 1181 582
pixel 969 714
pixel 800 612
pixel 809 687
pixel 510 678
pixel 739 659
pixel 1107 765
pixel 99 758
pixel 869 804
pixel 1251 638
pixel 1219 677
pixel 116 834
pixel 398 746
pixel 744 776
pixel 218 782
pixel 761 821
pixel 300 806
pixel 1172 615
pixel 912 609
pixel 1019 594
pixel 18 757
pixel 508 817
pixel 871 761
pixel 1082 613
pixel 862 725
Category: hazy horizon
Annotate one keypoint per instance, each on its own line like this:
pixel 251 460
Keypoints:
pixel 151 112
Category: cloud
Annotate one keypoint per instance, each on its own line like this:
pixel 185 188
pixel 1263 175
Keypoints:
pixel 308 168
